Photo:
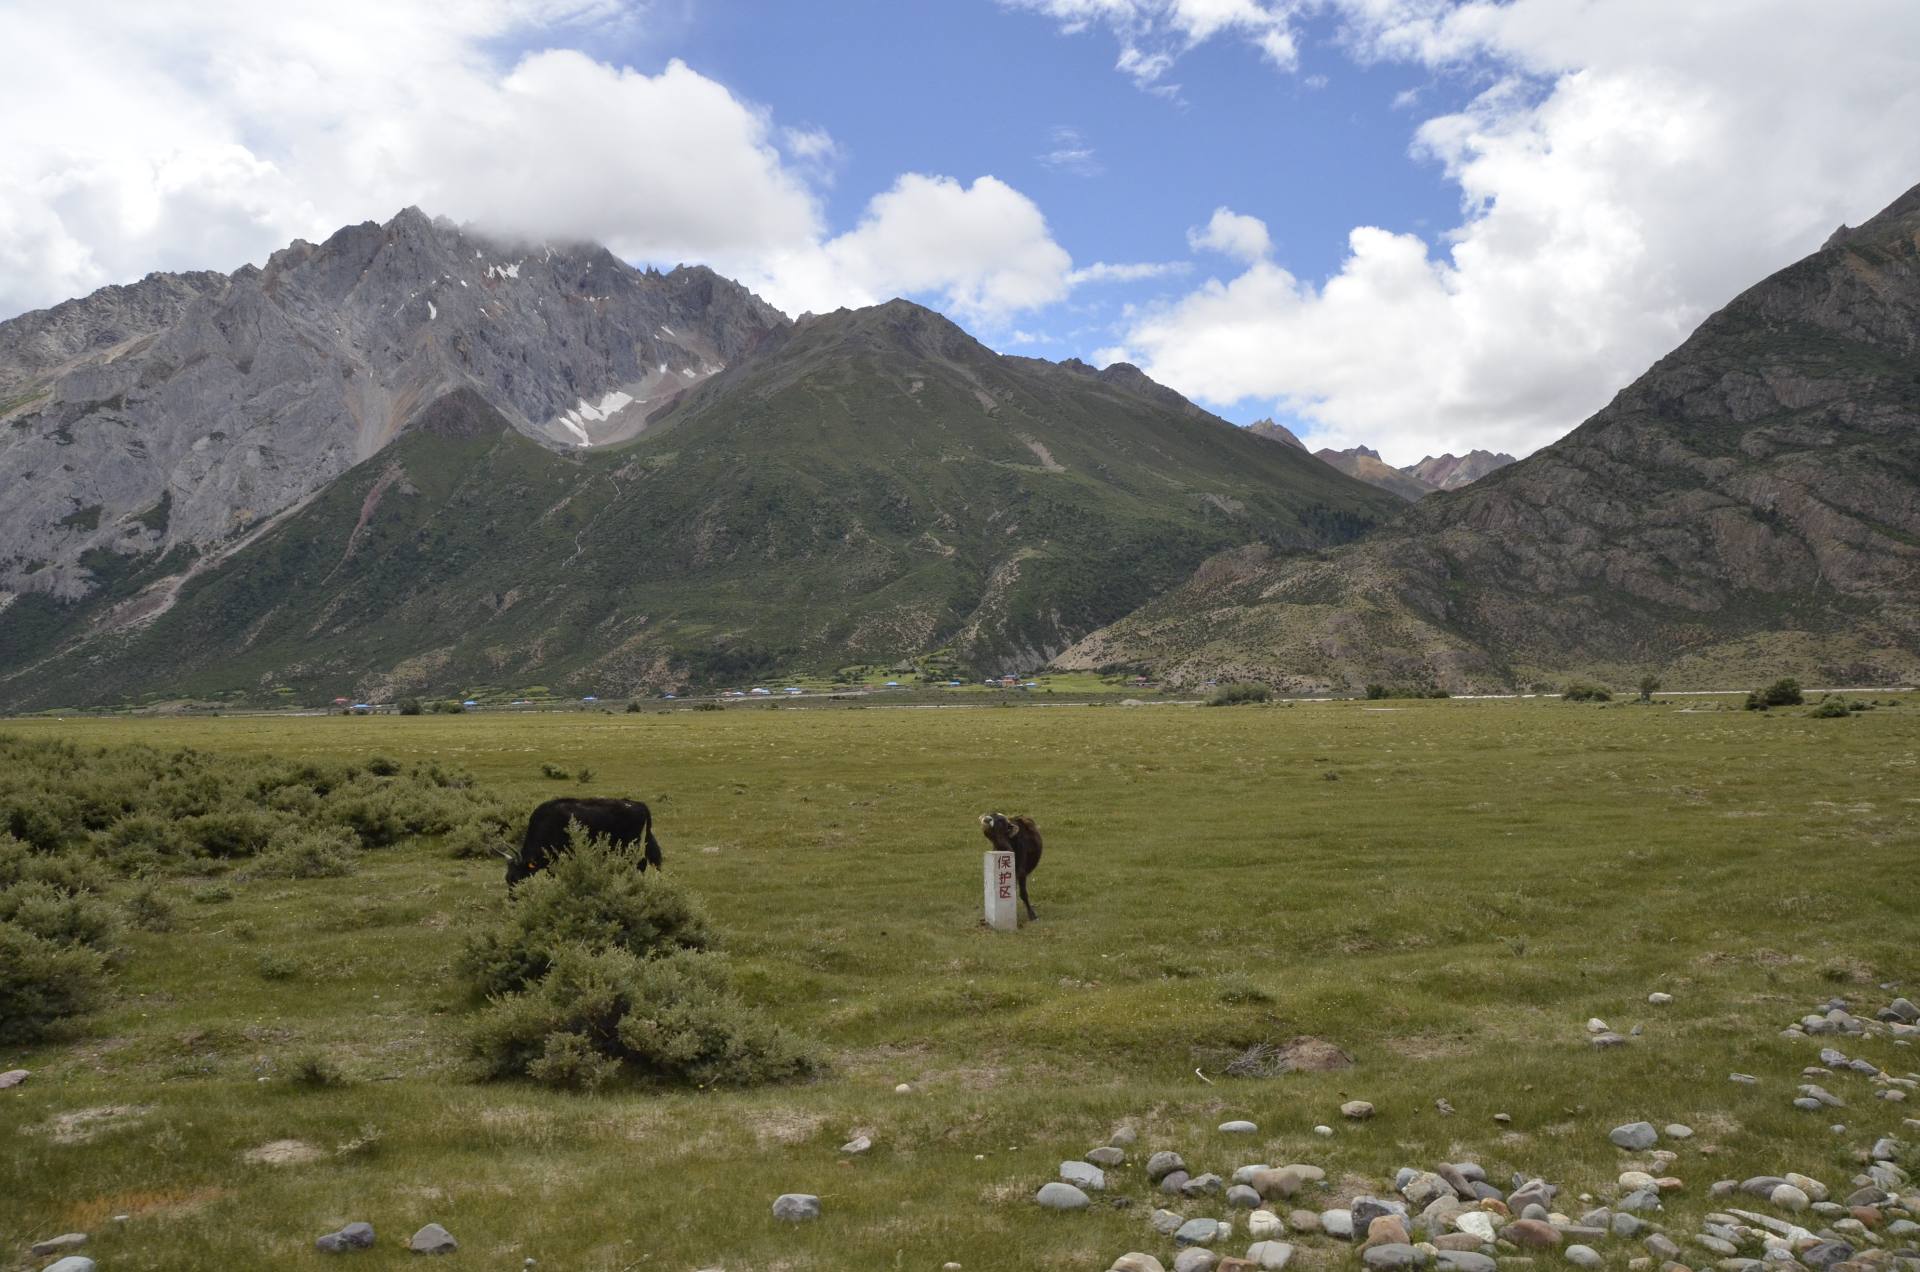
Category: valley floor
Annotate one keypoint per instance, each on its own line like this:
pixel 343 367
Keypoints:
pixel 1446 890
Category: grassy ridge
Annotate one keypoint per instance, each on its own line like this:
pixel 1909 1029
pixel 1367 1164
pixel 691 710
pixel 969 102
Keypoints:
pixel 1472 883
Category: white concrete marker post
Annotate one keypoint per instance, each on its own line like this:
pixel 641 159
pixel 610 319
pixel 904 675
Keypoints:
pixel 1003 901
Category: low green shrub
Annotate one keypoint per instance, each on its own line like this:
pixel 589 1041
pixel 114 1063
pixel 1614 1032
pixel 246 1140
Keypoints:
pixel 595 895
pixel 1831 708
pixel 598 969
pixel 43 982
pixel 555 772
pixel 320 852
pixel 1579 691
pixel 672 1018
pixel 1784 692
pixel 315 1071
pixel 1237 693
pixel 148 908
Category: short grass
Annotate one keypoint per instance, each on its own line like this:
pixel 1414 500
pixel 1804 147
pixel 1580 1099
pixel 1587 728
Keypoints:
pixel 1447 890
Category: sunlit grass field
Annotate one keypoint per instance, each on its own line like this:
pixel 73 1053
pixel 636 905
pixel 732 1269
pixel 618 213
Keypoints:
pixel 1447 890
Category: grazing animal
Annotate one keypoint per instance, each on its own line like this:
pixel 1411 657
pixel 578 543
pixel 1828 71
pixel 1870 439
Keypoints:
pixel 617 821
pixel 1019 836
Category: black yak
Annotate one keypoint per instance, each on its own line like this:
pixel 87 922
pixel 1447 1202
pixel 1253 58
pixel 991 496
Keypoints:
pixel 617 821
pixel 1019 836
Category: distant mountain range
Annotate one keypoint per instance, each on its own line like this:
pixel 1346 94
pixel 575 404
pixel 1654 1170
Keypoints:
pixel 416 459
pixel 361 470
pixel 1749 507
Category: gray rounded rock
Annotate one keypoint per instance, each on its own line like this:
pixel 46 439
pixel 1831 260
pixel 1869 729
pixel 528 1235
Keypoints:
pixel 1195 1259
pixel 1269 1254
pixel 1201 1186
pixel 1243 1197
pixel 433 1239
pixel 1466 1261
pixel 1107 1157
pixel 72 1263
pixel 1238 1127
pixel 1337 1223
pixel 1084 1175
pixel 56 1245
pixel 1197 1232
pixel 355 1236
pixel 1162 1164
pixel 1394 1256
pixel 1634 1136
pixel 1053 1196
pixel 1173 1181
pixel 1583 1256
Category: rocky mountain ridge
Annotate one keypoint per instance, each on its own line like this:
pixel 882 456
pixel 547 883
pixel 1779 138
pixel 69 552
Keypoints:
pixel 174 415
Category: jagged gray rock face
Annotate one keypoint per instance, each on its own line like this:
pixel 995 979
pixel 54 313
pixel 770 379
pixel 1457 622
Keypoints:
pixel 1450 471
pixel 184 410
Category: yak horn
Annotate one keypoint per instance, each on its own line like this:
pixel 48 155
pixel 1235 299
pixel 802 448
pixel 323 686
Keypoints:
pixel 504 854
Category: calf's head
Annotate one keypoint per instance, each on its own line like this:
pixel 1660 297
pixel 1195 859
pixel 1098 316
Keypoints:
pixel 999 830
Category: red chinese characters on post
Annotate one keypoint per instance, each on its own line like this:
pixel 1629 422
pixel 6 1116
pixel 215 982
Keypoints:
pixel 1005 881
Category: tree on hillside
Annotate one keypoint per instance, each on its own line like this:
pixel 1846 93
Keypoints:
pixel 1649 685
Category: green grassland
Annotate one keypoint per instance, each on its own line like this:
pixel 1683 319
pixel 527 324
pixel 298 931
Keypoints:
pixel 1447 890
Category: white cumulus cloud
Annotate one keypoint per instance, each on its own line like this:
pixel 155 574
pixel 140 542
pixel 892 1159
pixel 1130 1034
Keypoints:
pixel 1634 165
pixel 190 134
pixel 1230 234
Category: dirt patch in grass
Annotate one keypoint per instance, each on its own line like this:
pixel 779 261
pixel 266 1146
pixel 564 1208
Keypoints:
pixel 785 1126
pixel 162 1203
pixel 286 1152
pixel 82 1125
pixel 1427 1046
pixel 1301 1055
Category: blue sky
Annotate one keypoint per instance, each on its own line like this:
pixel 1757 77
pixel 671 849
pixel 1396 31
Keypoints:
pixel 1420 225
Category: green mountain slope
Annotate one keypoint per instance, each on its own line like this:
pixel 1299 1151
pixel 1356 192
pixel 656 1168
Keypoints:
pixel 1749 507
pixel 867 486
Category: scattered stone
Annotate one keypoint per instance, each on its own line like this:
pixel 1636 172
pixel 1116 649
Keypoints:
pixel 1197 1232
pixel 1901 1010
pixel 1084 1175
pixel 1605 1040
pixel 1238 1128
pixel 1391 1258
pixel 1813 1188
pixel 1053 1196
pixel 1658 999
pixel 1626 1225
pixel 1303 1221
pixel 1173 1181
pixel 14 1077
pixel 1787 1197
pixel 1503 1118
pixel 55 1245
pixel 72 1263
pixel 1242 1197
pixel 1162 1164
pixel 1824 1096
pixel 1165 1222
pixel 1465 1261
pixel 1677 1130
pixel 1337 1223
pixel 1583 1256
pixel 1634 1136
pixel 1107 1157
pixel 1264 1223
pixel 1201 1185
pixel 1356 1110
pixel 1195 1259
pixel 1825 1254
pixel 433 1239
pixel 1366 1209
pixel 355 1236
pixel 1323 1131
pixel 1744 1079
pixel 1444 1106
pixel 904 1088
pixel 1138 1263
pixel 1535 1234
pixel 1124 1137
pixel 1595 1025
pixel 1386 1230
pixel 1476 1223
pixel 1269 1254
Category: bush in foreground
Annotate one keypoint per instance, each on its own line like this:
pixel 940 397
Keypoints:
pixel 1240 691
pixel 57 937
pixel 1581 692
pixel 598 969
